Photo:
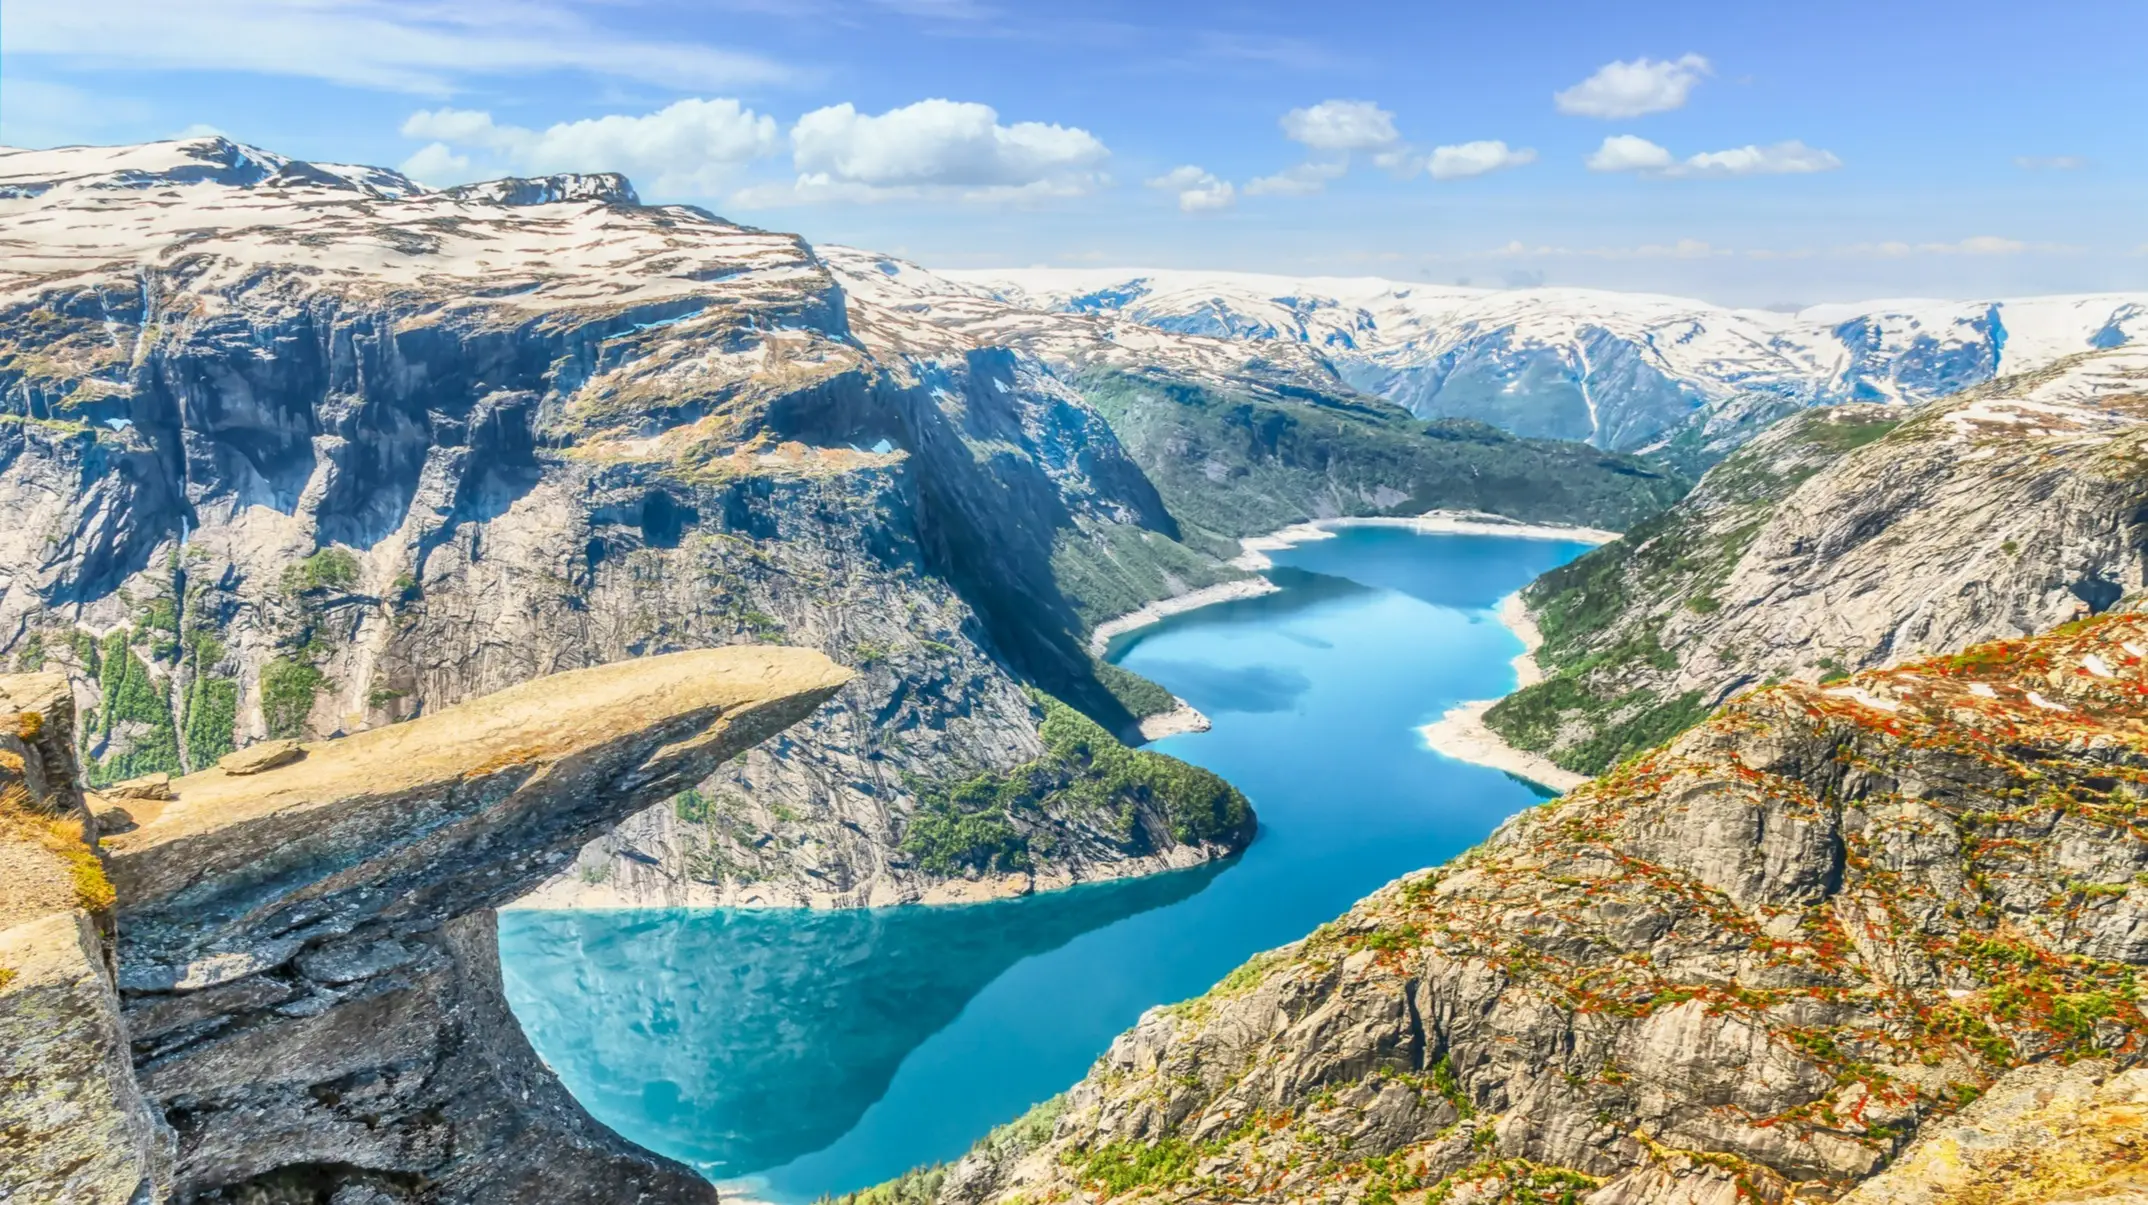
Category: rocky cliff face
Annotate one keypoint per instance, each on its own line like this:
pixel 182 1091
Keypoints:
pixel 306 952
pixel 300 449
pixel 1755 964
pixel 1846 538
pixel 75 1123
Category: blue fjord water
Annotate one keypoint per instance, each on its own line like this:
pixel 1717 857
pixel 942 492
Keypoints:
pixel 794 1053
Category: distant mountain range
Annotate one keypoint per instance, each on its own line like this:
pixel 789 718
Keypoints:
pixel 1625 371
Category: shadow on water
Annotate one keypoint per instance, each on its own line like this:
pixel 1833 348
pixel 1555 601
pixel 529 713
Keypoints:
pixel 719 1025
pixel 1300 592
pixel 1392 558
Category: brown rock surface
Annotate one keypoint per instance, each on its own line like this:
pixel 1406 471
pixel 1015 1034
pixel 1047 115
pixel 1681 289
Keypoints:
pixel 2043 1135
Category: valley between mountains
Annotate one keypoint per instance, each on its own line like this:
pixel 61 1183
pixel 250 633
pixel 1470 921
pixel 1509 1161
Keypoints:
pixel 307 464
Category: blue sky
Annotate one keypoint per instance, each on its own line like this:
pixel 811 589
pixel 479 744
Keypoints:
pixel 1752 154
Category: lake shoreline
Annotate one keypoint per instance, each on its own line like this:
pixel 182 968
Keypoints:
pixel 1254 549
pixel 1466 738
pixel 1463 735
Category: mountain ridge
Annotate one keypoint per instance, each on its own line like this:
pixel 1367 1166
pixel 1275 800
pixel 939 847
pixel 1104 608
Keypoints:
pixel 1538 361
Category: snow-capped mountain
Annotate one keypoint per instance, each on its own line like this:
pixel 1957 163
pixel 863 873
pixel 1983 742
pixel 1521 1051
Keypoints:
pixel 1622 370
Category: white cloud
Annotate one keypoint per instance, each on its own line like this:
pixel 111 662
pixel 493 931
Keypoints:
pixel 1341 125
pixel 1628 153
pixel 1632 89
pixel 435 164
pixel 1302 180
pixel 1468 159
pixel 1779 159
pixel 1199 191
pixel 2050 163
pixel 934 149
pixel 398 45
pixel 691 147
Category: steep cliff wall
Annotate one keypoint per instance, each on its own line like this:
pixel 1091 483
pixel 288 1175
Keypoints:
pixel 294 456
pixel 306 951
pixel 74 1124
pixel 1753 964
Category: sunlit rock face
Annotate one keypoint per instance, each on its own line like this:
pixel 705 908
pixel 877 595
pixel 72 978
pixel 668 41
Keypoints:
pixel 76 1125
pixel 1844 538
pixel 1755 963
pixel 307 956
pixel 299 449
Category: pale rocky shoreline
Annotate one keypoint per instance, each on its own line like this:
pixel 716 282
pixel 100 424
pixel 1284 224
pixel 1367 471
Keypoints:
pixel 1463 735
pixel 1254 551
pixel 1164 608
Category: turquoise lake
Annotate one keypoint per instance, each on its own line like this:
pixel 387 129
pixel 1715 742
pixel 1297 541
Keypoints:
pixel 791 1053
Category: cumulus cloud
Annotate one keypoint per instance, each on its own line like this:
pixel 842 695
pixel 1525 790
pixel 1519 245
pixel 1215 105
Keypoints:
pixel 437 163
pixel 1468 159
pixel 1299 181
pixel 1628 153
pixel 1199 191
pixel 1631 89
pixel 1341 125
pixel 1779 159
pixel 937 148
pixel 690 147
pixel 2050 163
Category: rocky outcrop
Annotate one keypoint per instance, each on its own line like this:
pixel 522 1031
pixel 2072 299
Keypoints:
pixel 73 1122
pixel 1847 538
pixel 299 450
pixel 1755 964
pixel 306 956
pixel 2047 1132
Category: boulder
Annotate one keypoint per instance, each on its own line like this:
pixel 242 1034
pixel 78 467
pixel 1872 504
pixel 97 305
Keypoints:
pixel 267 755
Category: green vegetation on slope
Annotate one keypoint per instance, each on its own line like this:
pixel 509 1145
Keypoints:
pixel 132 706
pixel 1240 463
pixel 1602 615
pixel 212 704
pixel 288 688
pixel 978 823
pixel 1119 568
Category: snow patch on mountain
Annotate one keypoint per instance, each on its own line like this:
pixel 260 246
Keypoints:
pixel 1623 370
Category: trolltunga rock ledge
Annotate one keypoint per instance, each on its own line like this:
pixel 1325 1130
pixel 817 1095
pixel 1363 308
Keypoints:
pixel 307 957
